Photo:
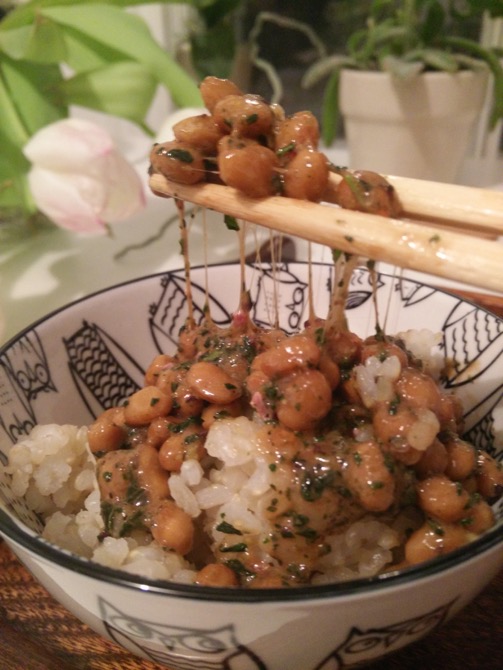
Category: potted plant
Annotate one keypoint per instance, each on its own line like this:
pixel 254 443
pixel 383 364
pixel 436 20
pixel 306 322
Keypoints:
pixel 411 85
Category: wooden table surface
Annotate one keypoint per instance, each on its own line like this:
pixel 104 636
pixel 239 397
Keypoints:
pixel 36 633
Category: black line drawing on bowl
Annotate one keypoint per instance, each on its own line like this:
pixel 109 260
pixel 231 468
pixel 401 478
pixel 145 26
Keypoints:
pixel 275 284
pixel 168 314
pixel 182 648
pixel 482 433
pixel 472 342
pixel 381 641
pixel 362 287
pixel 104 373
pixel 412 293
pixel 27 375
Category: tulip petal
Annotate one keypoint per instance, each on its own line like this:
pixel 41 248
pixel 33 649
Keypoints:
pixel 124 190
pixel 69 144
pixel 60 199
pixel 78 179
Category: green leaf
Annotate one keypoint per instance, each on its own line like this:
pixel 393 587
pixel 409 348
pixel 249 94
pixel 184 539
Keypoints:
pixel 439 60
pixel 14 192
pixel 10 121
pixel 470 62
pixel 324 67
pixel 85 54
pixel 130 36
pixel 41 42
pixel 213 51
pixel 433 22
pixel 330 109
pixel 25 13
pixel 32 89
pixel 122 89
pixel 356 44
pixel 401 68
pixel 215 11
pixel 380 8
pixel 392 35
pixel 231 222
pixel 14 42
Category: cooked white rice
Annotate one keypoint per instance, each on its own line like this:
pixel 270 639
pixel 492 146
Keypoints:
pixel 54 470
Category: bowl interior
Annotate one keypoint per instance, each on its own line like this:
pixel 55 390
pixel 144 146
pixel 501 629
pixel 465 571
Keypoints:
pixel 91 355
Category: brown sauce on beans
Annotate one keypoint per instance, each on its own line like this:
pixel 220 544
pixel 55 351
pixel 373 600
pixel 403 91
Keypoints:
pixel 333 458
pixel 335 452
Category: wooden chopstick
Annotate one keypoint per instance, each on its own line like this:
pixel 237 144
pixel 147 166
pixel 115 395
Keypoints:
pixel 415 246
pixel 493 303
pixel 465 208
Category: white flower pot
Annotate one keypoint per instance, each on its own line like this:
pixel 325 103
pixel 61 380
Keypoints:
pixel 418 128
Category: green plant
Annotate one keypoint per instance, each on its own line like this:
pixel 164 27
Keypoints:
pixel 225 41
pixel 58 53
pixel 212 37
pixel 406 38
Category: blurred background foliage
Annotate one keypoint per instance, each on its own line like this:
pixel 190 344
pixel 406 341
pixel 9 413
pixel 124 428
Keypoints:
pixel 220 40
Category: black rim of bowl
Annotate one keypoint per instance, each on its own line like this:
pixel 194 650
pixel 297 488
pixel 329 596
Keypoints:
pixel 45 550
pixel 358 587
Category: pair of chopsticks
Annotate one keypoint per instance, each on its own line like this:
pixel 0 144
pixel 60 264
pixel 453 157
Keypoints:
pixel 444 231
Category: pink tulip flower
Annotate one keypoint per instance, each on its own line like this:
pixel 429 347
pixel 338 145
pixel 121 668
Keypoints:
pixel 78 179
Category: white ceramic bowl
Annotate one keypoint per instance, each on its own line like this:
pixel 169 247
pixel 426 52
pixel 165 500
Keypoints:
pixel 45 376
